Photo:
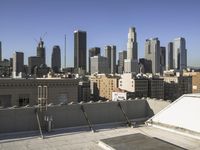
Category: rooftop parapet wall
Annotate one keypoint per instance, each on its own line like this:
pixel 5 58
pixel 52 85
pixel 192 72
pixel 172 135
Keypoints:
pixel 71 115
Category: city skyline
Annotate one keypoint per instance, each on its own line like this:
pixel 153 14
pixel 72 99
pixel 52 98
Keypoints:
pixel 105 25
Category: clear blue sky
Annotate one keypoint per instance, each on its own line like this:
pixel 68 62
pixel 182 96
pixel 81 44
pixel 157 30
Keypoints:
pixel 106 22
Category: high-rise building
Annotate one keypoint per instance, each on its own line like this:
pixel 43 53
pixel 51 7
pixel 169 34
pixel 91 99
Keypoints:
pixel 152 52
pixel 110 53
pixel 80 47
pixel 56 59
pixel 18 63
pixel 132 52
pixel 162 59
pixel 170 55
pixel 179 54
pixel 0 52
pixel 131 63
pixel 41 51
pixel 145 65
pixel 99 64
pixel 33 62
pixel 122 57
pixel 95 51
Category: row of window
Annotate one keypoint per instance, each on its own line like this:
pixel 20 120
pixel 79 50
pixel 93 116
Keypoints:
pixel 35 84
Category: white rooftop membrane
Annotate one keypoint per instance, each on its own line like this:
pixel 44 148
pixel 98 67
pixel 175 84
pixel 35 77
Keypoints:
pixel 181 114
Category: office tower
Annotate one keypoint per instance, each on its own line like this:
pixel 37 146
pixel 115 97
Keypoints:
pixel 18 63
pixel 131 63
pixel 170 55
pixel 41 51
pixel 162 59
pixel 132 44
pixel 95 51
pixel 80 46
pixel 99 64
pixel 122 57
pixel 145 65
pixel 0 52
pixel 56 59
pixel 179 54
pixel 110 53
pixel 152 52
pixel 34 62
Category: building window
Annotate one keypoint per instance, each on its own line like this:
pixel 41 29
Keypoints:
pixel 23 100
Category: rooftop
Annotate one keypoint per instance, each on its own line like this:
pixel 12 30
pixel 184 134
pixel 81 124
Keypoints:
pixel 80 138
pixel 175 127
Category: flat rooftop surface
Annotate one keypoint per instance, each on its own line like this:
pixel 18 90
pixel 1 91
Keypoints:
pixel 75 139
pixel 136 141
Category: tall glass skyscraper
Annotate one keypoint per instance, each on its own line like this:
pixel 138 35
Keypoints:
pixel 110 53
pixel 179 54
pixel 95 51
pixel 56 59
pixel 170 55
pixel 122 57
pixel 80 47
pixel 152 52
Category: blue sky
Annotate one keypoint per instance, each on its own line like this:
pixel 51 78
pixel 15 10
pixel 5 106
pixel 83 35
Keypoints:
pixel 106 22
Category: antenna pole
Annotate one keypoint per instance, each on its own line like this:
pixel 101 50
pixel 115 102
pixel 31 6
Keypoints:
pixel 65 53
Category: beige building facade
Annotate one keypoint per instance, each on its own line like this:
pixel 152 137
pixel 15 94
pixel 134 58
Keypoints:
pixel 195 81
pixel 103 85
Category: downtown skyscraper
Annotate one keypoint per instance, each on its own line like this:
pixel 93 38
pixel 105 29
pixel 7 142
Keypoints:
pixel 110 53
pixel 95 51
pixel 56 59
pixel 131 63
pixel 152 53
pixel 18 63
pixel 179 54
pixel 170 55
pixel 41 51
pixel 162 59
pixel 122 57
pixel 80 50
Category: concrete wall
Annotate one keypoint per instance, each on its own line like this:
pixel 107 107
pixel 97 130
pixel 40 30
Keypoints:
pixel 24 119
pixel 154 106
